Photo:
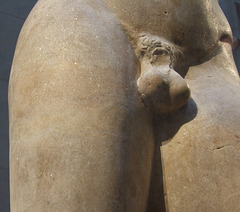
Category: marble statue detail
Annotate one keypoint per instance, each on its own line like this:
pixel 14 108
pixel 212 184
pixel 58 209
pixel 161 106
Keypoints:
pixel 101 114
pixel 161 88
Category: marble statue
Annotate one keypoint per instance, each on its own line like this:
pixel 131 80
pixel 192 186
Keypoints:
pixel 124 106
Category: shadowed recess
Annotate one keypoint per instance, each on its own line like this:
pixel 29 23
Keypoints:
pixel 165 128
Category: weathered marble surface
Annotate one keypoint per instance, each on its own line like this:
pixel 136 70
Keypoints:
pixel 97 87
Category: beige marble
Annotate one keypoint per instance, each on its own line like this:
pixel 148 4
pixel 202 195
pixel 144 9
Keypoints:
pixel 119 105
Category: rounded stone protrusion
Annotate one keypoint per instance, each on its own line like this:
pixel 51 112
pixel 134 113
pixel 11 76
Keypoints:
pixel 162 89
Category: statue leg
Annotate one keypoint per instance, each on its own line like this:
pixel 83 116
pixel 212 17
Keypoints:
pixel 80 137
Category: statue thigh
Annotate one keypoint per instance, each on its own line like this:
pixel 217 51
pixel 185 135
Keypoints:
pixel 80 138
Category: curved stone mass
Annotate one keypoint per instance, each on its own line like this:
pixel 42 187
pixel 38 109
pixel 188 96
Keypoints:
pixel 124 106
